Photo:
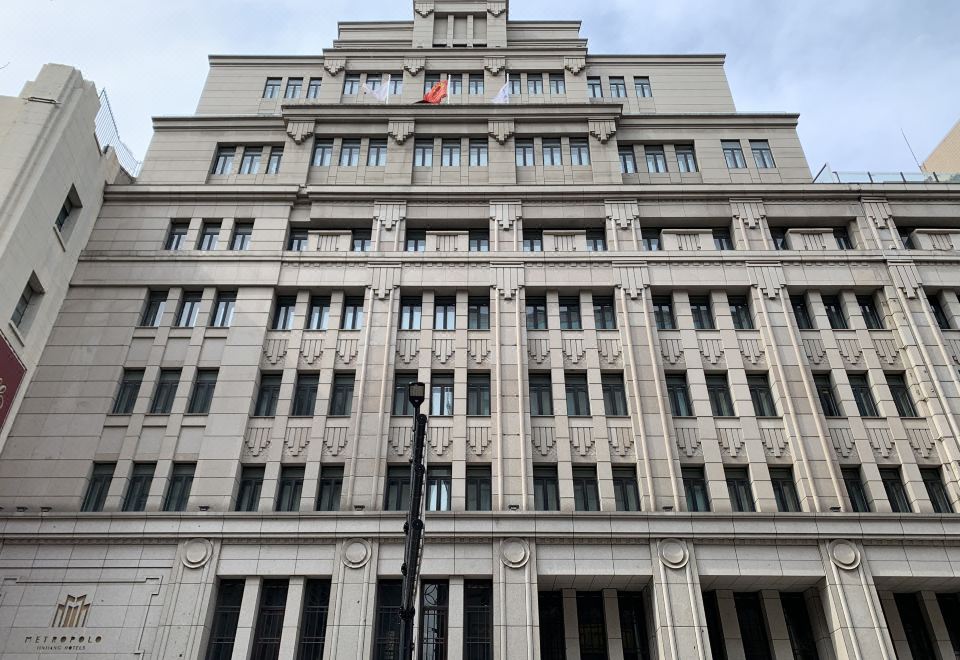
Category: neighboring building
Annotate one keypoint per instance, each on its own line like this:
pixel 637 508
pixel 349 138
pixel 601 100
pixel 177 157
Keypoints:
pixel 684 402
pixel 946 157
pixel 52 174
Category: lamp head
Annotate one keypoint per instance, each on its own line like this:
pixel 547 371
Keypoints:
pixel 416 392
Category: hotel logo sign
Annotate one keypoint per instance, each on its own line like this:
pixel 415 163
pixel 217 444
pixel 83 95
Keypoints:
pixel 72 612
pixel 68 634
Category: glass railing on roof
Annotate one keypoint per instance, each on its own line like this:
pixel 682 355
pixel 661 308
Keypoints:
pixel 827 176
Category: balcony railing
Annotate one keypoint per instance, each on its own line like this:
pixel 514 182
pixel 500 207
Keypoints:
pixel 827 176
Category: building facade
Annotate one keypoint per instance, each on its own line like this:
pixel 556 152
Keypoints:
pixel 946 156
pixel 683 402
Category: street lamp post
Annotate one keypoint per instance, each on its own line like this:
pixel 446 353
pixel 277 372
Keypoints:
pixel 413 528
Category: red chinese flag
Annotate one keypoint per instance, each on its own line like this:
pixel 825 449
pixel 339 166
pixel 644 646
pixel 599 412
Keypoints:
pixel 436 94
pixel 12 372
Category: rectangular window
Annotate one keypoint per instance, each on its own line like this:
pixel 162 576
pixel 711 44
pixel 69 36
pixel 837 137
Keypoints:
pixel 686 158
pixel 801 312
pixel 386 642
pixel 434 613
pixel 322 153
pixel 733 154
pixel 536 310
pixel 738 486
pixel 916 628
pixel 835 315
pixel 313 620
pixel 226 617
pixel 933 482
pixel 586 497
pixel 761 395
pixel 625 491
pixel 828 400
pixel 223 162
pixel 455 84
pixel 377 153
pixel 189 308
pixel 374 81
pixel 695 489
pixel 514 81
pixel 718 391
pixel 524 153
pixel 618 87
pixel 411 313
pixel 250 163
pixel 679 395
pixel 938 314
pixel 352 314
pixel 550 610
pixel 305 395
pixel 441 395
pixel 98 487
pixel 642 87
pixel 901 395
pixel 318 317
pixel 297 241
pixel 552 152
pixel 785 490
pixel 596 240
pixel 153 310
pixel 558 84
pixel 165 392
pixel 242 234
pixel 349 153
pixel 341 395
pixel 663 311
pixel 128 391
pixel 779 237
pixel 276 156
pixel 328 492
pixel 477 620
pixel 479 240
pixel 753 629
pixel 223 309
pixel 650 238
pixel 450 153
pixel 475 83
pixel 541 395
pixel 267 395
pixel 633 625
pixel 802 640
pixel 202 395
pixel 532 240
pixel 570 314
pixel 138 488
pixel 578 395
pixel 478 395
pixel 740 312
pixel 842 236
pixel 614 395
pixel 862 394
pixel 656 159
pixel 313 88
pixel 478 484
pixel 702 313
pixel 722 239
pixel 762 155
pixel 68 207
pixel 429 80
pixel 628 160
pixel 415 240
pixel 546 495
pixel 445 314
pixel 478 152
pixel 269 624
pixel 289 488
pixel 423 153
pixel 604 313
pixel 855 490
pixel 896 493
pixel 283 312
pixel 871 316
pixel 438 482
pixel 594 87
pixel 534 83
pixel 351 84
pixel 580 152
pixel 251 483
pixel 271 89
pixel 592 625
pixel 396 495
pixel 177 238
pixel 178 488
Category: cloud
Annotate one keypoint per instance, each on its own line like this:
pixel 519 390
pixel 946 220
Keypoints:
pixel 857 70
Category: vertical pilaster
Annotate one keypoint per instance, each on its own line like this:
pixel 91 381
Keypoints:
pixel 679 624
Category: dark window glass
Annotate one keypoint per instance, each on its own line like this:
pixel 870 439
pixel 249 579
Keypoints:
pixel 478 394
pixel 128 391
pixel 272 88
pixel 322 153
pixel 651 240
pixel 361 240
pixel 596 240
pixel 695 488
pixel 740 312
pixel 762 155
pixel 842 236
pixel 594 87
pixel 686 158
pixel 479 152
pixel 411 313
pixel 718 390
pixel 297 240
pixel 753 629
pixel 438 483
pixel 855 490
pixel 604 313
pixel 532 240
pixel 396 495
pixel 441 395
pixel 592 627
pixel 450 153
pixel 950 608
pixel 99 486
pixel 289 488
pixel 423 153
pixel 663 311
pixel 614 395
pixel 733 154
pixel 578 397
pixel 802 640
pixel 352 314
pixel 178 489
pixel 901 395
pixel 189 308
pixel 223 309
pixel 828 400
pixel 479 496
pixel 479 240
pixel 711 611
pixel 552 152
pixel 570 314
pixel 318 317
pixel 269 625
pixel 835 312
pixel 702 313
pixel 313 621
pixel 896 493
pixel 550 609
pixel 558 84
pixel 434 606
pixel 202 395
pixel 779 236
pixel 915 626
pixel 305 395
pixel 633 625
pixel 331 483
pixel 524 153
pixel 177 237
pixel 401 401
pixel 313 88
pixel 738 485
pixel 625 491
pixel 618 88
pixel 761 395
pixel 546 496
pixel 226 616
pixel 722 239
pixel 585 494
pixel 267 395
pixel 377 153
pixel 386 642
pixel 536 314
pixel 223 162
pixel 349 153
pixel 165 392
pixel 251 482
pixel 478 314
pixel 138 487
pixel 541 395
pixel 477 620
pixel 628 159
pixel 801 313
pixel 871 316
pixel 250 163
pixel 656 159
pixel 153 311
pixel 415 240
pixel 642 87
pixel 209 235
pixel 445 314
pixel 866 406
pixel 933 481
pixel 341 396
pixel 679 396
pixel 938 314
pixel 784 490
pixel 65 210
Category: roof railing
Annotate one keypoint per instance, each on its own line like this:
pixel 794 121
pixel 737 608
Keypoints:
pixel 105 127
pixel 827 176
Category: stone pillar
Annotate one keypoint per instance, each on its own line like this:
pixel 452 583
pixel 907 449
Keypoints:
pixel 776 625
pixel 611 617
pixel 679 624
pixel 730 624
pixel 291 618
pixel 247 622
pixel 514 601
pixel 352 600
pixel 571 624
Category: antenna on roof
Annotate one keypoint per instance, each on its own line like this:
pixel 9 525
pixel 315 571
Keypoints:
pixel 911 149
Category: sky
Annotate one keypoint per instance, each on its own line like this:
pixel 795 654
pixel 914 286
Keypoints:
pixel 858 71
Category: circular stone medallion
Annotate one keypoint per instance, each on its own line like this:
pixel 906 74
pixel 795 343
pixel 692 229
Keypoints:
pixel 356 553
pixel 844 554
pixel 514 552
pixel 673 553
pixel 196 553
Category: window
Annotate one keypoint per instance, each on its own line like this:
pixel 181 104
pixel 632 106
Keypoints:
pixel 866 406
pixel 283 313
pixel 423 153
pixel 686 158
pixel 289 488
pixel 580 152
pixel 271 89
pixel 313 88
pixel 352 314
pixel 250 163
pixel 628 160
pixel 596 240
pixel 761 395
pixel 478 152
pixel 642 86
pixel 546 496
pixel 478 482
pixel 478 395
pixel 740 312
pixel 733 154
pixel 855 490
pixel 828 400
pixel 534 83
pixel 411 310
pixel 178 488
pixel 374 81
pixel 871 316
pixel 604 313
pixel 455 84
pixel 532 240
pixel 350 153
pixel 901 395
pixel 842 236
pixel 305 395
pixel 933 481
pixel 618 87
pixel 223 309
pixel 341 395
pixel 386 640
pixel 801 312
pixel 479 240
pixel 313 620
pixel 570 314
pixel 585 494
pixel 438 482
pixel 738 485
pixel 722 239
pixel 614 395
pixel 779 237
pixel 318 317
pixel 226 616
pixel 896 493
pixel 401 401
pixel 906 237
pixel 98 487
pixel 785 490
pixel 202 395
pixel 753 630
pixel 578 396
pixel 541 395
pixel 475 84
pixel 251 482
pixel 434 606
pixel 651 240
pixel 938 314
pixel 663 312
pixel 177 238
pixel 276 155
pixel 916 629
pixel 702 313
pixel 695 489
pixel 633 625
pixel 834 311
pixel 223 162
pixel 441 395
pixel 592 626
pixel 322 153
pixel 445 314
pixel 552 153
pixel 267 395
pixel 351 84
pixel 415 240
pixel 395 84
pixel 625 491
pixel 477 620
pixel 297 241
pixel 550 610
pixel 331 482
pixel 377 153
pixel 153 310
pixel 762 155
pixel 165 392
pixel 397 488
pixel 718 391
pixel 656 159
pixel 127 393
pixel 558 84
pixel 138 488
pixel 802 640
pixel 536 310
pixel 269 624
pixel 242 234
pixel 189 308
pixel 514 82
pixel 429 80
pixel 679 396
pixel 450 153
pixel 524 152
pixel 594 87
pixel 70 203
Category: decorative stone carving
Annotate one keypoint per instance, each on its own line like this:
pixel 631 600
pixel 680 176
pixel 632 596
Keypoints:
pixel 887 350
pixel 632 278
pixel 621 439
pixel 543 439
pixel 196 553
pixel 752 350
pixel 573 350
pixel 575 64
pixel 335 439
pixel 257 440
pixel 334 64
pixel 355 553
pixel 439 439
pixel 921 441
pixel 443 350
pixel 688 441
pixel 774 442
pixel 622 212
pixel 671 350
pixel 877 211
pixel 423 7
pixel 275 350
pixel 347 349
pixel 906 277
pixel 673 553
pixel 844 554
pixel 414 64
pixel 814 349
pixel 400 439
pixel 506 213
pixel 494 64
pixel 508 279
pixel 538 350
pixel 843 441
pixel 731 441
pixel 389 214
pixel 881 442
pixel 581 439
pixel 602 129
pixel 711 350
pixel 478 439
pixel 296 440
pixel 750 211
pixel 384 278
pixel 609 350
pixel 514 552
pixel 408 349
pixel 300 129
pixel 401 129
pixel 769 279
pixel 850 350
pixel 478 350
pixel 311 350
pixel 496 7
pixel 501 130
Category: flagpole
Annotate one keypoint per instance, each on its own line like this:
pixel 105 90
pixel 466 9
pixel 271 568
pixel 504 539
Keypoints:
pixel 448 89
pixel 389 79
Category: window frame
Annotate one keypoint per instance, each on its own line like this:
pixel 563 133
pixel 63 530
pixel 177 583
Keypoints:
pixel 341 394
pixel 540 391
pixel 733 154
pixel 576 389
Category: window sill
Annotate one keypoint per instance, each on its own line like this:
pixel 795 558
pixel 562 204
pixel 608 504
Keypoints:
pixel 300 417
pixel 60 239
pixel 580 416
pixel 726 417
pixel 262 416
pixel 16 333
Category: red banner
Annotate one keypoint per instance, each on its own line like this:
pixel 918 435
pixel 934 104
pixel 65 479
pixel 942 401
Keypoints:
pixel 11 375
pixel 436 94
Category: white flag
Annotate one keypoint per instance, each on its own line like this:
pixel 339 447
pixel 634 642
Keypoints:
pixel 380 93
pixel 503 96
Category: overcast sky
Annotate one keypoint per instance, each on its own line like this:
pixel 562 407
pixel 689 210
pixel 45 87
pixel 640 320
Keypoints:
pixel 857 71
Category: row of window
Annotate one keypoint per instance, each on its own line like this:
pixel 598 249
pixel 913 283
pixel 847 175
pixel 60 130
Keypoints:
pixel 252 158
pixel 656 159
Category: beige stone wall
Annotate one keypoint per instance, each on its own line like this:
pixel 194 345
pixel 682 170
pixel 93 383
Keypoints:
pixel 946 157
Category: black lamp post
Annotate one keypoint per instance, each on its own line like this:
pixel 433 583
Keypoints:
pixel 413 528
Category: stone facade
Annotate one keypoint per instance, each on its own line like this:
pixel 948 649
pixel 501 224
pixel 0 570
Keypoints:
pixel 946 157
pixel 684 402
